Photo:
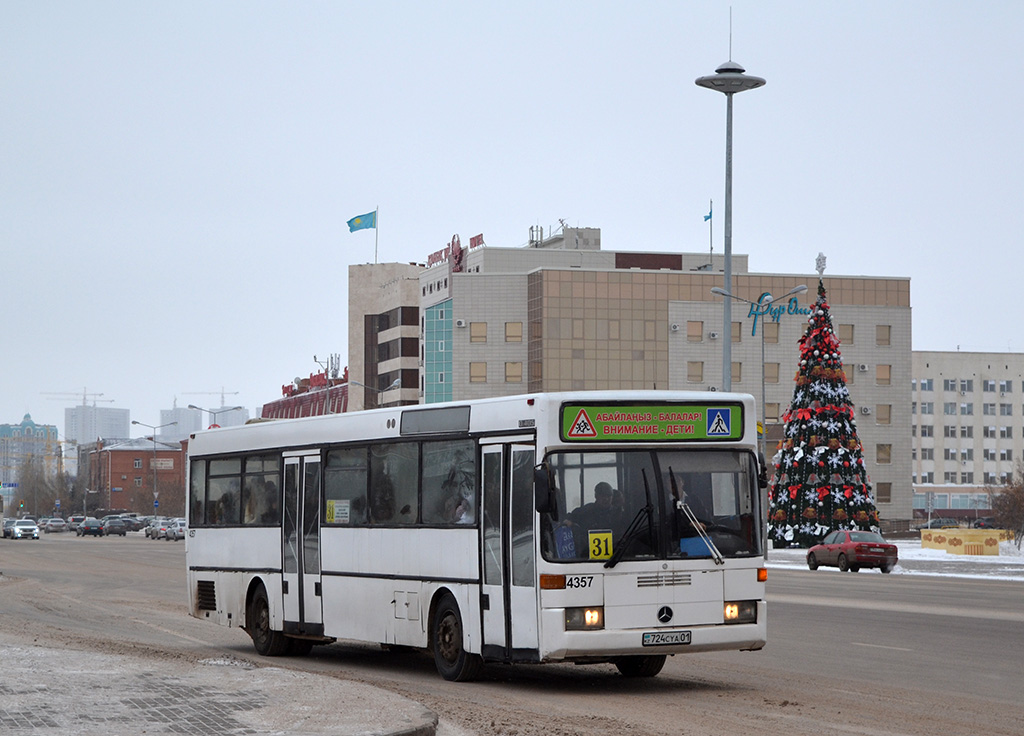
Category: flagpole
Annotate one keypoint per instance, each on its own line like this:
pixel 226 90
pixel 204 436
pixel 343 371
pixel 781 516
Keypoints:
pixel 711 244
pixel 376 233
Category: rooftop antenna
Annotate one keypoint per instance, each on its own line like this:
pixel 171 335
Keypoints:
pixel 730 32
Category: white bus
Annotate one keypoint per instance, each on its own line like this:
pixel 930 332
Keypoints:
pixel 578 527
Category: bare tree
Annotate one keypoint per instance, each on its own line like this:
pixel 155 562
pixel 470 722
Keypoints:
pixel 1008 505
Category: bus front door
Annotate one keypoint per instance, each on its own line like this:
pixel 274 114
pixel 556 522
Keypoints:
pixel 300 539
pixel 509 586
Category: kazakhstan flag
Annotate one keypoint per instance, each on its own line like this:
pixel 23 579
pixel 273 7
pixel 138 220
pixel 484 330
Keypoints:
pixel 362 222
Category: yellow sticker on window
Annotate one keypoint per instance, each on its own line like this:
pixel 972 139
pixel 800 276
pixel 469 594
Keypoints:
pixel 600 544
pixel 330 513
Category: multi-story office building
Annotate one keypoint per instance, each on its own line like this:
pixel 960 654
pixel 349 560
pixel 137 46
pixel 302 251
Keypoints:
pixel 183 421
pixel 561 314
pixel 22 443
pixel 967 426
pixel 85 424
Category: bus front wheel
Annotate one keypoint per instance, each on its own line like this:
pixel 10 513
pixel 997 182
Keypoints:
pixel 265 640
pixel 642 666
pixel 452 660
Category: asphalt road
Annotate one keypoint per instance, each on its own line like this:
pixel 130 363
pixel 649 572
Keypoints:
pixel 847 654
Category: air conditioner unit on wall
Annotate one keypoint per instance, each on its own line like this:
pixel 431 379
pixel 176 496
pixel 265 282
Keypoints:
pixel 863 367
pixel 675 327
pixel 865 410
pixel 460 323
pixel 712 335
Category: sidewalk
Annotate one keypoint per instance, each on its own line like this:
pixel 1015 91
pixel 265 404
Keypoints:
pixel 51 691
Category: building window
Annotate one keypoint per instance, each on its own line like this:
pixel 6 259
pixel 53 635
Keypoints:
pixel 1006 454
pixel 1006 410
pixel 949 408
pixel 927 430
pixel 694 331
pixel 513 372
pixel 988 386
pixel 989 432
pixel 846 334
pixel 988 409
pixel 883 334
pixel 883 375
pixel 737 331
pixel 138 481
pixel 988 454
pixel 883 454
pixel 949 478
pixel 927 384
pixel 883 492
pixel 949 384
pixel 771 412
pixel 695 371
pixel 1006 433
pixel 967 430
pixel 927 407
pixel 737 372
pixel 928 477
pixel 966 409
pixel 1005 387
pixel 478 372
pixel 967 386
pixel 138 463
pixel 440 377
pixel 770 332
pixel 513 332
pixel 883 413
pixel 478 332
pixel 771 372
pixel 948 430
pixel 927 453
pixel 967 477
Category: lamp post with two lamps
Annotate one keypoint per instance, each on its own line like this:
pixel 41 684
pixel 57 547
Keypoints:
pixel 761 306
pixel 397 383
pixel 156 492
pixel 729 78
pixel 214 412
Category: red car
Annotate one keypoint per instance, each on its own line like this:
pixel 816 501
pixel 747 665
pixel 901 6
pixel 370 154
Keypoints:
pixel 852 550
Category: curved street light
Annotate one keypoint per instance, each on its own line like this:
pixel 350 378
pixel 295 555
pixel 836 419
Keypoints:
pixel 214 412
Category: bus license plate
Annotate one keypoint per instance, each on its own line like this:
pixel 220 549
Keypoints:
pixel 665 638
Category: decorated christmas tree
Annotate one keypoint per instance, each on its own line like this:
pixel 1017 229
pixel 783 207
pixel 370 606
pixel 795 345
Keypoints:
pixel 819 483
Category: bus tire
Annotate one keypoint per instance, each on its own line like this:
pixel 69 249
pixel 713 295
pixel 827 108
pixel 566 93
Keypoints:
pixel 640 666
pixel 265 640
pixel 453 662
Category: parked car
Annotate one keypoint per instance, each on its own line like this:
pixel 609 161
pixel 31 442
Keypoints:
pixel 55 525
pixel 940 524
pixel 90 527
pixel 114 525
pixel 160 530
pixel 852 550
pixel 8 527
pixel 74 521
pixel 25 529
pixel 985 522
pixel 153 525
pixel 176 530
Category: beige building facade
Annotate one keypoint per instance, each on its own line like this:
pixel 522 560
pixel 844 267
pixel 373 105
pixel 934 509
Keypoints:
pixel 561 314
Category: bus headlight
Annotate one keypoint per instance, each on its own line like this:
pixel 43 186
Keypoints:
pixel 741 612
pixel 584 619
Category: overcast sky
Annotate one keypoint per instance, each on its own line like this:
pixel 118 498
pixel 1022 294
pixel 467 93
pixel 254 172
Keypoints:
pixel 175 177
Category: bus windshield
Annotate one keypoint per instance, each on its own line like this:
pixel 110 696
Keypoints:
pixel 646 504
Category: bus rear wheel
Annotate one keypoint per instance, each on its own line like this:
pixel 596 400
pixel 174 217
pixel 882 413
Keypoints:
pixel 265 640
pixel 642 666
pixel 453 662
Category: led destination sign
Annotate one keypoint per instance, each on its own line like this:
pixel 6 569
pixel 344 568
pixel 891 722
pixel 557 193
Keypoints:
pixel 652 422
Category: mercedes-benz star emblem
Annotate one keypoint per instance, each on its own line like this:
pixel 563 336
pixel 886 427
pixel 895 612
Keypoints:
pixel 664 614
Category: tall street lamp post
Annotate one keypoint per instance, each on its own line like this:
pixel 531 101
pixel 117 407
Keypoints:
pixel 728 79
pixel 761 308
pixel 156 493
pixel 397 383
pixel 214 412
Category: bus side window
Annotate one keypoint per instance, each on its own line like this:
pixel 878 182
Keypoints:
pixel 394 483
pixel 449 480
pixel 345 486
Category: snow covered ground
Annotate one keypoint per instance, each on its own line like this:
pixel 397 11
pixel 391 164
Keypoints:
pixel 914 560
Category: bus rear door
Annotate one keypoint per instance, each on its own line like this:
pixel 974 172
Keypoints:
pixel 300 539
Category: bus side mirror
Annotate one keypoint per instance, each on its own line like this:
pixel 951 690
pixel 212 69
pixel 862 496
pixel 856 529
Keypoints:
pixel 543 491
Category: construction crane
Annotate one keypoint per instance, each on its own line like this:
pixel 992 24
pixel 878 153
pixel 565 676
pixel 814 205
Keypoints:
pixel 222 393
pixel 85 394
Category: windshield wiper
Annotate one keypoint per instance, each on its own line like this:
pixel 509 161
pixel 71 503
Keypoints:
pixel 631 531
pixel 697 525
